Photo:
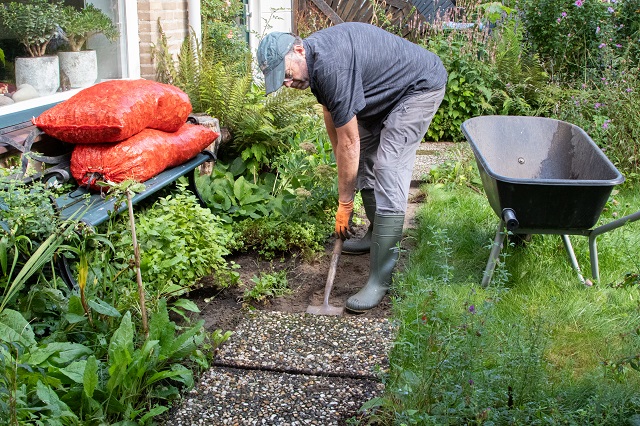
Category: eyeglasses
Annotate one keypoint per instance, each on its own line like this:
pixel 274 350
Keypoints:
pixel 288 72
pixel 288 75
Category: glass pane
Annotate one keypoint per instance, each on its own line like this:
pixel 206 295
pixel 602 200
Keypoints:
pixel 110 56
pixel 111 61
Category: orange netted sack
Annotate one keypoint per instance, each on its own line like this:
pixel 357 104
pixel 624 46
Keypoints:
pixel 115 110
pixel 140 157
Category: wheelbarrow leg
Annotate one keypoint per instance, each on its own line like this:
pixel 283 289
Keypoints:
pixel 593 255
pixel 572 257
pixel 593 247
pixel 495 252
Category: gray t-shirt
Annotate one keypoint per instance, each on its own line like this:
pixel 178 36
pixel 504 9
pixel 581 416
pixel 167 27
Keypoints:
pixel 359 69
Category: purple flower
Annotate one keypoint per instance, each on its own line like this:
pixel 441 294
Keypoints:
pixel 597 105
pixel 597 30
pixel 602 45
pixel 629 90
pixel 578 3
pixel 610 9
pixel 472 309
pixel 564 14
pixel 470 382
pixel 605 125
pixel 618 45
pixel 559 20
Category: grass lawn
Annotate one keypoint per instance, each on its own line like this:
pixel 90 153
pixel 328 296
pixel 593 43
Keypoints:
pixel 535 347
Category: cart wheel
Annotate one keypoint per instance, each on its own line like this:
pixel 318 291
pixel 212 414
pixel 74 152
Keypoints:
pixel 194 188
pixel 64 268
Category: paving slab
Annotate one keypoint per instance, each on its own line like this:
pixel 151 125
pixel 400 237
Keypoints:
pixel 228 396
pixel 309 344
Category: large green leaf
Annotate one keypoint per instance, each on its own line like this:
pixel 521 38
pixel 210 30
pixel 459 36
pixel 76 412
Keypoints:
pixel 104 308
pixel 53 403
pixel 75 370
pixel 14 328
pixel 90 376
pixel 59 353
pixel 120 352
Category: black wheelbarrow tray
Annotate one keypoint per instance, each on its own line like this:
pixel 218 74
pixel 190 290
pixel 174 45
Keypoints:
pixel 543 176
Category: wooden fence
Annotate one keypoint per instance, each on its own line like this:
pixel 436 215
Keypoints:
pixel 407 14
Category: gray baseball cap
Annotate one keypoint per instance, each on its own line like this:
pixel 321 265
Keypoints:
pixel 271 52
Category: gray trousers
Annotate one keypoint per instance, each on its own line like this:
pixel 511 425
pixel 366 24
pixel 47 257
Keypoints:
pixel 388 151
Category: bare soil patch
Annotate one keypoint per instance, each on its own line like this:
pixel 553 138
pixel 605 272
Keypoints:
pixel 224 309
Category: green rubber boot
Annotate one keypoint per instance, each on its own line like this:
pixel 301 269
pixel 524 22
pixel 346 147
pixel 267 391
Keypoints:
pixel 387 231
pixel 363 245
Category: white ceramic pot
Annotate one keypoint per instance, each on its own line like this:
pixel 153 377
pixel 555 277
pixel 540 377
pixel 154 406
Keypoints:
pixel 43 73
pixel 81 68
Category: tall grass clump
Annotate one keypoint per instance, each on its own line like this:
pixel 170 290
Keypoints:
pixel 536 346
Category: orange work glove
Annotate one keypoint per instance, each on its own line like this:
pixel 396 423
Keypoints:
pixel 343 220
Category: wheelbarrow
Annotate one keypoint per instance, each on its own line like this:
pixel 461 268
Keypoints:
pixel 543 176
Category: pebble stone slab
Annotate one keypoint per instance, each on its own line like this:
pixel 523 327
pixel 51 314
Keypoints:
pixel 227 396
pixel 310 344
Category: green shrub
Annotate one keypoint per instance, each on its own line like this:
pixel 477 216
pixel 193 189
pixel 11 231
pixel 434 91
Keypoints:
pixel 179 241
pixel 27 209
pixel 222 23
pixel 231 196
pixel 519 75
pixel 468 88
pixel 569 35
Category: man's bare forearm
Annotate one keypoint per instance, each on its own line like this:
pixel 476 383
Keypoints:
pixel 345 141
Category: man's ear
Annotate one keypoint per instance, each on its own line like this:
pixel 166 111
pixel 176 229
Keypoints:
pixel 299 49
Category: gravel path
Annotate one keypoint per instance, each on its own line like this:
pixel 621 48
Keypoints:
pixel 291 369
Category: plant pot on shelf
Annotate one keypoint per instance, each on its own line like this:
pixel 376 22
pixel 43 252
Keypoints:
pixel 81 68
pixel 42 72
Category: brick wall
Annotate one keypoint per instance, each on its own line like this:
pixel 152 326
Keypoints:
pixel 174 21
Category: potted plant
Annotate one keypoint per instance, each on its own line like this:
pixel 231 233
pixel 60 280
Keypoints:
pixel 34 24
pixel 80 66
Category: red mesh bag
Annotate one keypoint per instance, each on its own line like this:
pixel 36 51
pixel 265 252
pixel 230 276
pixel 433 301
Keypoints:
pixel 115 110
pixel 140 157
